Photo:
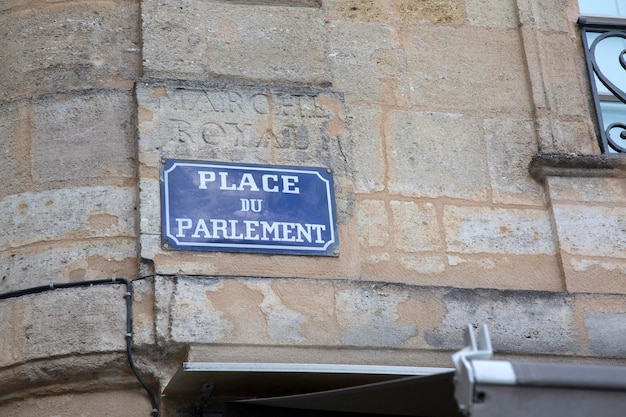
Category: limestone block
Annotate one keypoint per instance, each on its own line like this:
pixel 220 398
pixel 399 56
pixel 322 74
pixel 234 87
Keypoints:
pixel 591 230
pixel 486 13
pixel 150 208
pixel 564 74
pixel 435 154
pixel 284 312
pixel 425 264
pixel 62 322
pixel 369 317
pixel 373 223
pixel 304 312
pixel 518 321
pixel 87 45
pixel 68 262
pixel 78 320
pixel 567 136
pixel 592 241
pixel 368 152
pixel 66 214
pixel 587 189
pixel 548 14
pixel 416 228
pixel 607 333
pixel 498 230
pixel 450 12
pixel 594 275
pixel 357 10
pixel 92 139
pixel 196 39
pixel 12 340
pixel 469 70
pixel 243 125
pixel 12 156
pixel 510 145
pixel 353 53
pixel 128 402
pixel 143 312
pixel 491 270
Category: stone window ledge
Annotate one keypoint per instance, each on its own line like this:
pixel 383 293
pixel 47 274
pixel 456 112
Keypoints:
pixel 545 165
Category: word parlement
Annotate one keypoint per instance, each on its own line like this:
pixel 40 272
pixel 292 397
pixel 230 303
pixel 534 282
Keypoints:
pixel 215 206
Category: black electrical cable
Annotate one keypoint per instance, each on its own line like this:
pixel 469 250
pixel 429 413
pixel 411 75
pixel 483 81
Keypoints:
pixel 129 320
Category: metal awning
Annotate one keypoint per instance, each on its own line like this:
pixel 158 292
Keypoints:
pixel 426 396
pixel 476 387
pixel 247 380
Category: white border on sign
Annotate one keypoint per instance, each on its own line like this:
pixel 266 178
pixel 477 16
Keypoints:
pixel 244 246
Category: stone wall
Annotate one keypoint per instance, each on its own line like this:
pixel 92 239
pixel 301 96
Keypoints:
pixel 428 114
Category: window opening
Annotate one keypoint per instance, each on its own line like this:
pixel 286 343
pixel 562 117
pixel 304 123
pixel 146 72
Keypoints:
pixel 603 26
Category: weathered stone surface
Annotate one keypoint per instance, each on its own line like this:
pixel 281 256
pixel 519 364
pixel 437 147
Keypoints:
pixel 479 270
pixel 62 322
pixel 369 317
pixel 506 231
pixel 284 312
pixel 591 190
pixel 368 10
pixel 467 70
pixel 68 261
pixel 485 270
pixel 12 156
pixel 302 127
pixel 435 154
pixel 485 13
pixel 66 214
pixel 196 39
pixel 416 228
pixel 424 264
pixel 48 48
pixel 93 139
pixel 510 144
pixel 518 321
pixel 556 64
pixel 373 222
pixel 564 71
pixel 353 54
pixel 607 333
pixel 591 230
pixel 450 12
pixel 554 15
pixel 368 152
pixel 585 166
pixel 591 274
pixel 127 402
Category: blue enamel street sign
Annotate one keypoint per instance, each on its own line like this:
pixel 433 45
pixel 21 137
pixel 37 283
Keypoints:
pixel 213 206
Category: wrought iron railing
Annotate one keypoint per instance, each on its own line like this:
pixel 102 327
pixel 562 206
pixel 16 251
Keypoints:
pixel 604 41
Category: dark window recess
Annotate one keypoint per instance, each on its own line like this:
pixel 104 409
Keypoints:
pixel 604 41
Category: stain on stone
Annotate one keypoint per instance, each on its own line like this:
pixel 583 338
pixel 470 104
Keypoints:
pixel 518 321
pixel 126 267
pixel 336 125
pixel 607 333
pixel 102 221
pixel 367 10
pixel 369 317
pixel 77 275
pixel 432 11
pixel 240 305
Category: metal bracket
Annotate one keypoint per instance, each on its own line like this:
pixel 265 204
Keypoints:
pixel 475 348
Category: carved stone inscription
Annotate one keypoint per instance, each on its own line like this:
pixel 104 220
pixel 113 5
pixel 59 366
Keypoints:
pixel 242 125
